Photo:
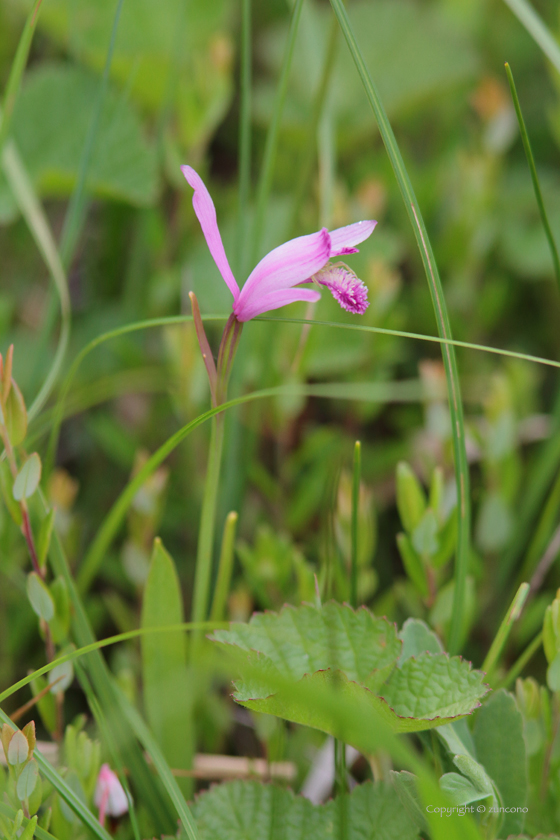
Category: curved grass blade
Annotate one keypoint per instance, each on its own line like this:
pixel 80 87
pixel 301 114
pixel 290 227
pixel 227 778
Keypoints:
pixel 58 783
pixel 443 324
pixel 16 72
pixel 537 29
pixel 534 176
pixel 271 145
pixel 33 213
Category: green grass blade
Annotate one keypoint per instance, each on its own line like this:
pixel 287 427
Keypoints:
pixel 537 28
pixel 271 145
pixel 244 141
pixel 169 782
pixel 33 213
pixel 504 630
pixel 443 324
pixel 16 72
pixel 75 212
pixel 534 176
pixel 356 476
pixel 225 568
pixel 150 792
pixel 517 668
pixel 58 783
pixel 114 519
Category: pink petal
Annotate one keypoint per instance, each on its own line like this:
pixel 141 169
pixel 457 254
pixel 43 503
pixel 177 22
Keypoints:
pixel 206 214
pixel 344 239
pixel 273 300
pixel 291 263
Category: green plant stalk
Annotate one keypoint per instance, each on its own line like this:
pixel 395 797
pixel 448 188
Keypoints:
pixel 534 176
pixel 356 475
pixel 58 783
pixel 244 139
pixel 537 29
pixel 505 628
pixel 16 72
pixel 271 144
pixel 203 571
pixel 40 833
pixel 443 324
pixel 225 568
pixel 519 665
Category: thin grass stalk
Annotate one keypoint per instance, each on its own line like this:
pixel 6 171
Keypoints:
pixel 356 476
pixel 504 630
pixel 19 64
pixel 203 573
pixel 443 324
pixel 271 144
pixel 103 726
pixel 225 568
pixel 244 140
pixel 534 177
pixel 537 29
pixel 517 668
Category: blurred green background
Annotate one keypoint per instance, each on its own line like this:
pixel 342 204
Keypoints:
pixel 174 97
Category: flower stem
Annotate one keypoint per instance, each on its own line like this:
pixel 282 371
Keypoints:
pixel 207 524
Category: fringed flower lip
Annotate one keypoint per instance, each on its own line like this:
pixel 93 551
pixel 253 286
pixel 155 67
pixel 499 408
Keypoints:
pixel 276 280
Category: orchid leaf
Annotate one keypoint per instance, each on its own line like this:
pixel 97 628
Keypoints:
pixel 357 653
pixel 237 810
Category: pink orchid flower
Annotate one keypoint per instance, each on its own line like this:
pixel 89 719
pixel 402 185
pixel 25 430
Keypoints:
pixel 109 797
pixel 276 280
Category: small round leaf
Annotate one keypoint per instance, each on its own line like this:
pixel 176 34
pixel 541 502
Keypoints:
pixel 40 597
pixel 27 780
pixel 28 478
pixel 18 749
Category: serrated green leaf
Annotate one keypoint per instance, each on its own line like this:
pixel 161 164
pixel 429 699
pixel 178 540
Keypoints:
pixel 500 748
pixel 237 810
pixel 27 780
pixel 356 653
pixel 39 597
pixel 27 479
pixel 50 124
pixel 302 640
pixel 418 638
pixel 167 692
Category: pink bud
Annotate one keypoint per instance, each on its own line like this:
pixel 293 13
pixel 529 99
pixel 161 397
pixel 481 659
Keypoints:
pixel 109 797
